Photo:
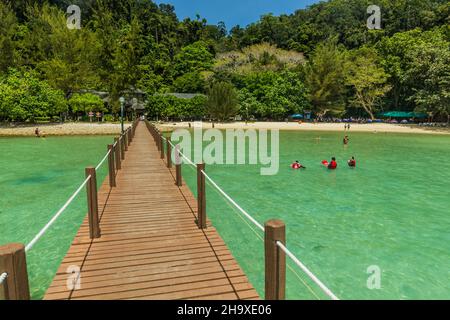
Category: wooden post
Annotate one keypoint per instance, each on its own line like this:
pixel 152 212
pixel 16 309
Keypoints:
pixel 122 147
pixel 13 261
pixel 275 260
pixel 158 141
pixel 201 197
pixel 162 146
pixel 169 153
pixel 179 181
pixel 125 140
pixel 92 200
pixel 117 153
pixel 112 170
pixel 129 136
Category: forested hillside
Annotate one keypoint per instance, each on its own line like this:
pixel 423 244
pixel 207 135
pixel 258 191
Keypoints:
pixel 322 58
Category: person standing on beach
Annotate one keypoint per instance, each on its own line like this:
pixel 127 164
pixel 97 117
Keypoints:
pixel 37 133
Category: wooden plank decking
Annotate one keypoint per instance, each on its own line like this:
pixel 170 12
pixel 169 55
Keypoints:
pixel 151 247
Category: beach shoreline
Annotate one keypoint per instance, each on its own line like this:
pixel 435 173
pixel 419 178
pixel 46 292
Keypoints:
pixel 330 127
pixel 63 129
pixel 75 129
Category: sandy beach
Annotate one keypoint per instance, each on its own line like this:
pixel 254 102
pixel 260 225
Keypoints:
pixel 374 127
pixel 114 129
pixel 65 129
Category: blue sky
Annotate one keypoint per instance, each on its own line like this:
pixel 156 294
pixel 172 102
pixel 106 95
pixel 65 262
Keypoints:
pixel 234 12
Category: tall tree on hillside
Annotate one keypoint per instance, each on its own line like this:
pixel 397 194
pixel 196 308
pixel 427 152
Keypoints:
pixel 8 28
pixel 431 75
pixel 366 78
pixel 127 59
pixel 222 101
pixel 325 78
pixel 65 57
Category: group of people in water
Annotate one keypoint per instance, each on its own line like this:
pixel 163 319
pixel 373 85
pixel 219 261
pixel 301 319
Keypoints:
pixel 332 165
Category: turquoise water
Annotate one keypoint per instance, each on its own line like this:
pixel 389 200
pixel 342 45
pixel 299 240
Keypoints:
pixel 37 177
pixel 392 212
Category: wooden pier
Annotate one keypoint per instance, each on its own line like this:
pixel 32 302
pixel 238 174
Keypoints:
pixel 150 245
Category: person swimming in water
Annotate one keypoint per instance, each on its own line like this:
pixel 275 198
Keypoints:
pixel 297 165
pixel 352 162
pixel 346 140
pixel 333 164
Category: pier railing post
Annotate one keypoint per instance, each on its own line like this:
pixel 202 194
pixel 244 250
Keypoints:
pixel 162 147
pixel 169 153
pixel 275 260
pixel 201 196
pixel 125 139
pixel 92 200
pixel 122 147
pixel 129 136
pixel 179 178
pixel 117 153
pixel 112 170
pixel 13 261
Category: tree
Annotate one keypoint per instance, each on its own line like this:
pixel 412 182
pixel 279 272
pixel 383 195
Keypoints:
pixel 325 78
pixel 366 78
pixel 257 58
pixel 8 26
pixel 193 58
pixel 192 82
pixel 86 102
pixel 431 74
pixel 65 57
pixel 222 101
pixel 273 95
pixel 126 61
pixel 170 106
pixel 24 97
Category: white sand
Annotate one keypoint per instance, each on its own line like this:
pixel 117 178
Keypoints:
pixel 373 127
pixel 64 129
pixel 114 129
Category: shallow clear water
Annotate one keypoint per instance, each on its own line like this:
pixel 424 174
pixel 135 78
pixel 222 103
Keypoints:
pixel 37 177
pixel 392 212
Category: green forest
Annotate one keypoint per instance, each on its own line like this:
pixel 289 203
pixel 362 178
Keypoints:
pixel 322 58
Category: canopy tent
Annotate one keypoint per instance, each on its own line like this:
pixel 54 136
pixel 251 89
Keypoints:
pixel 402 114
pixel 296 116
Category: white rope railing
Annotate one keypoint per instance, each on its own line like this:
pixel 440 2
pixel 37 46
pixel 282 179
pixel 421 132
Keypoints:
pixel 3 277
pixel 63 208
pixel 307 271
pixel 256 223
pixel 182 155
pixel 103 160
pixel 49 224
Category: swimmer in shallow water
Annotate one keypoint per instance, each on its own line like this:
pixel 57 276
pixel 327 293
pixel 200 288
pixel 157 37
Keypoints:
pixel 297 165
pixel 333 164
pixel 352 162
